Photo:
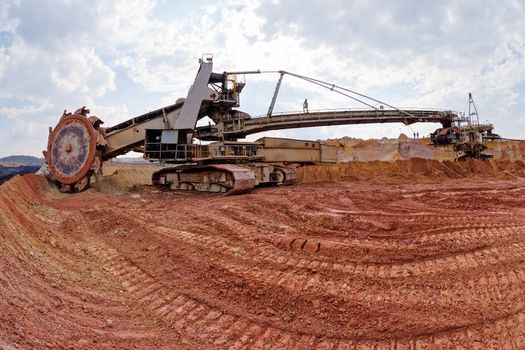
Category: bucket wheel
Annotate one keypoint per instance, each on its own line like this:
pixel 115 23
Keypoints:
pixel 74 151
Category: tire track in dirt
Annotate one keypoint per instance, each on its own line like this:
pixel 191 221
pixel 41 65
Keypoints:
pixel 325 266
pixel 48 302
pixel 206 324
pixel 214 327
pixel 300 283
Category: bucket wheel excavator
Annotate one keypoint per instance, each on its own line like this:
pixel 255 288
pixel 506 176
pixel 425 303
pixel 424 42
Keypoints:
pixel 78 145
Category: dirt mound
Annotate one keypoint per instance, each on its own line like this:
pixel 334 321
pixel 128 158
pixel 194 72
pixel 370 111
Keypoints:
pixel 410 169
pixel 334 265
pixel 123 177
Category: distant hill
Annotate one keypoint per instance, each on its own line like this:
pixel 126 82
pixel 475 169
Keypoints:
pixel 16 161
pixel 8 172
pixel 18 165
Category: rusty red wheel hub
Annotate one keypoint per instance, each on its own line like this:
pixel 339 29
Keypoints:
pixel 71 149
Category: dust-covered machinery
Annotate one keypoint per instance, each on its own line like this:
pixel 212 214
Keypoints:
pixel 78 145
pixel 467 136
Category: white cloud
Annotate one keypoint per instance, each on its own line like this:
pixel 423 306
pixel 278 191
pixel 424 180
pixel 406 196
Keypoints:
pixel 36 107
pixel 3 63
pixel 83 71
pixel 69 53
pixel 111 115
pixel 7 24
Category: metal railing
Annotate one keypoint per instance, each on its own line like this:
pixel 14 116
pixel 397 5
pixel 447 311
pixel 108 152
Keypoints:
pixel 176 152
pixel 234 150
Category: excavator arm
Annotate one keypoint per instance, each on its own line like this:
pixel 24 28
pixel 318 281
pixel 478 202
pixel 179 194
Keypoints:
pixel 240 128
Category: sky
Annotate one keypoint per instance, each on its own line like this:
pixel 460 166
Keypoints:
pixel 123 58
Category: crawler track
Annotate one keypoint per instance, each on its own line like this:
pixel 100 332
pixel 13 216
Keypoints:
pixel 325 265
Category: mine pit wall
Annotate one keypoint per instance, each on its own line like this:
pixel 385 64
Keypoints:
pixel 404 148
pixel 506 150
pixel 411 169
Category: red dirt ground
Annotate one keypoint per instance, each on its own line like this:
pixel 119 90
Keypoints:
pixel 411 257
